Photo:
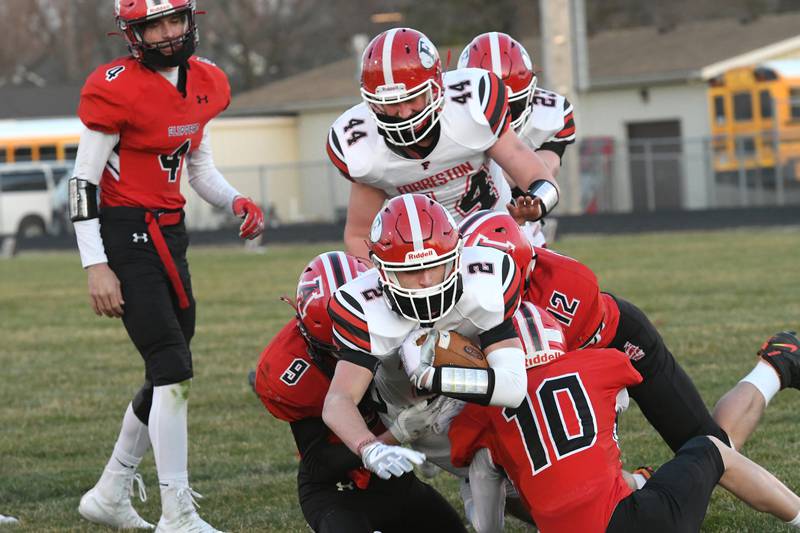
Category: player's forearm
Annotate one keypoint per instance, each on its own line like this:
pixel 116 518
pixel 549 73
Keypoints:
pixel 355 242
pixel 341 414
pixel 324 460
pixel 510 378
pixel 94 150
pixel 206 179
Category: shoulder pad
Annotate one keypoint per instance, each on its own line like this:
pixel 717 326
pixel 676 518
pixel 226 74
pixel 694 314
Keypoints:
pixel 363 320
pixel 552 116
pixel 492 286
pixel 357 136
pixel 205 60
pixel 476 107
pixel 108 94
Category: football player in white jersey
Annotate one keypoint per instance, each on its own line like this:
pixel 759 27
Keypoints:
pixel 423 283
pixel 419 131
pixel 541 118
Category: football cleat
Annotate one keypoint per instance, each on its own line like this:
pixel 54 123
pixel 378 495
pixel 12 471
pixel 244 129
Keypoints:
pixel 782 352
pixel 8 520
pixel 179 514
pixel 113 508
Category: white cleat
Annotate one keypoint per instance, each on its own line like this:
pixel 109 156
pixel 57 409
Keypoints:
pixel 178 513
pixel 8 521
pixel 113 507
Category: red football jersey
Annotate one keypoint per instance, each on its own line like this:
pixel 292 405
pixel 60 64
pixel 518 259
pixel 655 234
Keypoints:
pixel 288 382
pixel 569 291
pixel 559 446
pixel 157 126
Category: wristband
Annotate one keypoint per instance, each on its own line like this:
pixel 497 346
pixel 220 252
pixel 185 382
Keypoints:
pixel 546 192
pixel 364 443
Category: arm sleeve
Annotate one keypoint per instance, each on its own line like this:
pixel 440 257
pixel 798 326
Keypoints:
pixel 510 378
pixel 486 483
pixel 206 179
pixel 325 461
pixel 94 150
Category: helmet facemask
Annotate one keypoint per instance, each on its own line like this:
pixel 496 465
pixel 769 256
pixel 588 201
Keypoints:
pixel 428 304
pixel 521 106
pixel 411 130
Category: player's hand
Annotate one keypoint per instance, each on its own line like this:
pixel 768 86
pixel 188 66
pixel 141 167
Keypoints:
pixel 387 461
pixel 105 291
pixel 418 360
pixel 526 209
pixel 785 342
pixel 252 216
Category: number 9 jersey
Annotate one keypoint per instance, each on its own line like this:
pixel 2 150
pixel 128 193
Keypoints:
pixel 157 124
pixel 454 170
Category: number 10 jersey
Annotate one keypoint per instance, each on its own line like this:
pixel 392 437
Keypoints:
pixel 455 171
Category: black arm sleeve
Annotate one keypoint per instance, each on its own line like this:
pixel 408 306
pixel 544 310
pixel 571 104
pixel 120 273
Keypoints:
pixel 504 330
pixel 556 147
pixel 323 460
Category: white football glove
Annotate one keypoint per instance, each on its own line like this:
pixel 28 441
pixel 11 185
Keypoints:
pixel 412 422
pixel 623 401
pixel 387 461
pixel 418 360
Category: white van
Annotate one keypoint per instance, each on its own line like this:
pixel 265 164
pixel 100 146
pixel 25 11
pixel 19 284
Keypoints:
pixel 26 199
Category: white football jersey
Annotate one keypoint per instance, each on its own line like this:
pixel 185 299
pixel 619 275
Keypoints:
pixel 363 321
pixel 365 324
pixel 551 121
pixel 455 171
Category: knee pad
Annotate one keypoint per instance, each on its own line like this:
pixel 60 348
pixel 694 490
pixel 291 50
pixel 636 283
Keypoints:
pixel 143 401
pixel 166 367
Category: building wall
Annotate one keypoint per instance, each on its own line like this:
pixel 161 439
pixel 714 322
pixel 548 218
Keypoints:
pixel 608 112
pixel 242 148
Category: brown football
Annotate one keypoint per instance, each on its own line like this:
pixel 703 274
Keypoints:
pixel 454 349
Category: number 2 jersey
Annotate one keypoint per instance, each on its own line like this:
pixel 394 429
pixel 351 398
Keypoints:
pixel 371 333
pixel 157 126
pixel 455 170
pixel 559 446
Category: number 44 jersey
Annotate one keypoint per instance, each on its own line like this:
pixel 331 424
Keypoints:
pixel 455 169
pixel 156 123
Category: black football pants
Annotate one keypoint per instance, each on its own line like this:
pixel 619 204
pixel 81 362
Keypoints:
pixel 159 329
pixel 667 396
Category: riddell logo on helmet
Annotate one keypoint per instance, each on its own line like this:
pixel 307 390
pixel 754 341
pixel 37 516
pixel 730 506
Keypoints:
pixel 420 255
pixel 541 358
pixel 158 8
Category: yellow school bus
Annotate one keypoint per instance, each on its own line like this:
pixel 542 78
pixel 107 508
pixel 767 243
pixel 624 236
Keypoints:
pixel 755 118
pixel 24 141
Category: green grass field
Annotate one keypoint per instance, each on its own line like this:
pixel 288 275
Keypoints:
pixel 66 375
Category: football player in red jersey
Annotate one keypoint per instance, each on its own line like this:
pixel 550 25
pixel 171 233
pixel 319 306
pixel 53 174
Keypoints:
pixel 669 400
pixel 542 119
pixel 421 131
pixel 336 493
pixel 145 114
pixel 423 283
pixel 559 447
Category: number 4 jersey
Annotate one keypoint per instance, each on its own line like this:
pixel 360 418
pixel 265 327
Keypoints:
pixel 156 123
pixel 454 171
pixel 559 446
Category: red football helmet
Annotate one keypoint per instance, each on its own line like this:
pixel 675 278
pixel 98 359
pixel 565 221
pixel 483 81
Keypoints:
pixel 398 66
pixel 132 15
pixel 499 230
pixel 414 233
pixel 319 280
pixel 541 335
pixel 501 54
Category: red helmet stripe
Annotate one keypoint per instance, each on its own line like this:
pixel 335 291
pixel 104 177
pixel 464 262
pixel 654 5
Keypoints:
pixel 386 57
pixel 528 327
pixel 413 221
pixel 494 47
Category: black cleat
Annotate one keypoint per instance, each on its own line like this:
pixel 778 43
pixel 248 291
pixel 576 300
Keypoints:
pixel 251 379
pixel 782 351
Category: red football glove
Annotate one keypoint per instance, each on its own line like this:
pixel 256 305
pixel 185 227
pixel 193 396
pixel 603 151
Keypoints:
pixel 253 217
